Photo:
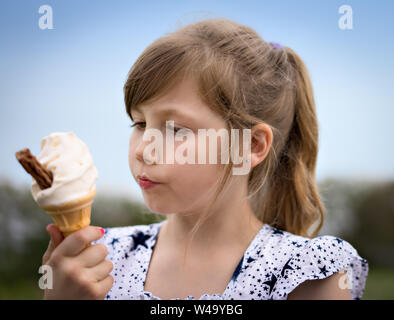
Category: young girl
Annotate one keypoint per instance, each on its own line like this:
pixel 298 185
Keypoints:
pixel 226 236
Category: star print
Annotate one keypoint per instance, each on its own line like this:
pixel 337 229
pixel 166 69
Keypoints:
pixel 277 231
pixel 323 270
pixel 271 283
pixel 237 270
pixel 114 240
pixel 250 259
pixel 286 267
pixel 139 239
pixel 261 274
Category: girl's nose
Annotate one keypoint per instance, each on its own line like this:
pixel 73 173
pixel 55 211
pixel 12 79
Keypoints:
pixel 147 158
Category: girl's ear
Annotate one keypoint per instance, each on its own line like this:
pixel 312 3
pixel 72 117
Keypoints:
pixel 261 140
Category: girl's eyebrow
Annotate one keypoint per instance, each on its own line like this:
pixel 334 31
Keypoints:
pixel 169 112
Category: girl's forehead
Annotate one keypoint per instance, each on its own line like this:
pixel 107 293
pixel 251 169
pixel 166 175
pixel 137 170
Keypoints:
pixel 167 110
pixel 182 100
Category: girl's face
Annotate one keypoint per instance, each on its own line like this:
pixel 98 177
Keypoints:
pixel 183 188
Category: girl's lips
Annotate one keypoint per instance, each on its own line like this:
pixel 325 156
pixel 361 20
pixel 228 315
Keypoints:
pixel 146 183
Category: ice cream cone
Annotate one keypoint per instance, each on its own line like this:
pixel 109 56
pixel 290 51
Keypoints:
pixel 73 215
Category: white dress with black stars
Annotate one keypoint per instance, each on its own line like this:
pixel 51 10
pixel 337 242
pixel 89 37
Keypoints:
pixel 274 264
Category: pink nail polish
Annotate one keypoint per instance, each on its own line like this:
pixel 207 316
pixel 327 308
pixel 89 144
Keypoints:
pixel 102 230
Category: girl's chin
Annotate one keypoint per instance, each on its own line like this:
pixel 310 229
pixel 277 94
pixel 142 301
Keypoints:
pixel 157 208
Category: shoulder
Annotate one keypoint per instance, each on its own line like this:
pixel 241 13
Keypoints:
pixel 334 287
pixel 335 265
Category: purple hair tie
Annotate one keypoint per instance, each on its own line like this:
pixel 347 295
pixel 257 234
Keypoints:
pixel 276 45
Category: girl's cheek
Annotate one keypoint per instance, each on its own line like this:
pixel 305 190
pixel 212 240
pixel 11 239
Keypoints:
pixel 201 150
pixel 132 146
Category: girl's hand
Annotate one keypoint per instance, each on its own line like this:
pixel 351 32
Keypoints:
pixel 79 272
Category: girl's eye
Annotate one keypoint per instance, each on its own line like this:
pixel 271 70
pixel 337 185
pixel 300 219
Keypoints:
pixel 138 125
pixel 142 125
pixel 174 128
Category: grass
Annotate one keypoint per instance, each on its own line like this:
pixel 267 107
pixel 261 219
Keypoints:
pixel 380 284
pixel 21 290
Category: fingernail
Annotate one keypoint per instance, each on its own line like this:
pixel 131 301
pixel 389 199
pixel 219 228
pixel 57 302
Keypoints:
pixel 102 230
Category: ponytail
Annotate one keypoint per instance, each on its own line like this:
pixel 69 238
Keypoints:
pixel 291 200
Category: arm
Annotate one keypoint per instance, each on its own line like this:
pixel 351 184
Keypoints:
pixel 334 287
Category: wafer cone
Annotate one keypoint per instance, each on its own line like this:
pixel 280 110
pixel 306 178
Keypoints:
pixel 73 215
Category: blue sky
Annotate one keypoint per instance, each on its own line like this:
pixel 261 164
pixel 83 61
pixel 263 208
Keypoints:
pixel 71 78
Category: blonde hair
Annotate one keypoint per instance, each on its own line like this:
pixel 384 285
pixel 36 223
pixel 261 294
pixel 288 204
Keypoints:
pixel 247 81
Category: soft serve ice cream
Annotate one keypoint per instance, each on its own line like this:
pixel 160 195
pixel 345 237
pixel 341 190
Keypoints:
pixel 64 180
pixel 74 173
